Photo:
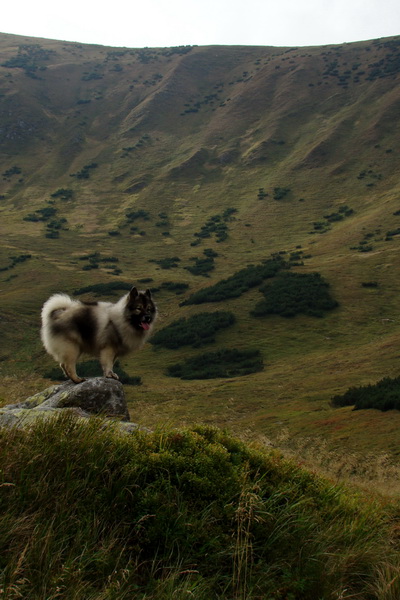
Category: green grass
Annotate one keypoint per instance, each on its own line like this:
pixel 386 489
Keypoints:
pixel 89 512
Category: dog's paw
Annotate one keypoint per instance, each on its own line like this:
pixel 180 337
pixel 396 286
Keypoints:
pixel 112 375
pixel 78 379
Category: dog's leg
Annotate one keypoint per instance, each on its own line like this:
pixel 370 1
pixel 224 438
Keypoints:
pixel 70 371
pixel 107 357
pixel 68 363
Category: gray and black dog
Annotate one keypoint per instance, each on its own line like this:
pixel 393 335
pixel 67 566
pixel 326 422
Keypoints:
pixel 101 329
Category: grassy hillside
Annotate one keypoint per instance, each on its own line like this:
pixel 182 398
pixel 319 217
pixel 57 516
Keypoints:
pixel 89 512
pixel 124 164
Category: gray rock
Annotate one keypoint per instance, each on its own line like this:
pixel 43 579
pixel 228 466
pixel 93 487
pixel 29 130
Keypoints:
pixel 95 396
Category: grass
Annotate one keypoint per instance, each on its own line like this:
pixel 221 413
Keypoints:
pixel 90 512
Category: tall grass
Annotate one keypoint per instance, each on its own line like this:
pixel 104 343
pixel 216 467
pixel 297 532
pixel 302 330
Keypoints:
pixel 88 512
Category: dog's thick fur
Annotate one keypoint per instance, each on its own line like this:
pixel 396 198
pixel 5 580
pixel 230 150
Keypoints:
pixel 101 329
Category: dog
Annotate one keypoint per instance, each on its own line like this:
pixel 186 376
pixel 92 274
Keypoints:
pixel 102 329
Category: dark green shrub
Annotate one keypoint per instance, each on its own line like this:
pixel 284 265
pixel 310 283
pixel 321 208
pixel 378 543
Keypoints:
pixel 63 194
pixel 12 171
pixel 15 260
pixel 201 266
pixel 216 225
pixel 100 289
pixel 280 193
pixel 92 368
pixel 42 214
pixel 84 173
pixel 384 395
pixel 137 214
pixel 173 286
pixel 294 293
pixel 167 263
pixel 195 331
pixel 369 284
pixel 223 363
pixel 237 284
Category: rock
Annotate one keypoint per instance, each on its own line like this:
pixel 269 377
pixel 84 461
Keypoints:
pixel 95 396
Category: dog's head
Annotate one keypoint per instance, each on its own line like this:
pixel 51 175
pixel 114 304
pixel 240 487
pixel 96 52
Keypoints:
pixel 141 310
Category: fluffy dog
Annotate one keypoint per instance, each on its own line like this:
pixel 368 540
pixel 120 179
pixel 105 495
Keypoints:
pixel 101 329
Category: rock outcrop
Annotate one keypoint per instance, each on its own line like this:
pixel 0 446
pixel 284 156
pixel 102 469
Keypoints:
pixel 95 396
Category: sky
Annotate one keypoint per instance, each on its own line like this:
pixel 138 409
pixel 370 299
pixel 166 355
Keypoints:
pixel 161 23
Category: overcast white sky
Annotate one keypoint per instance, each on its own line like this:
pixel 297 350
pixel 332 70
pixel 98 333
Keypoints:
pixel 153 23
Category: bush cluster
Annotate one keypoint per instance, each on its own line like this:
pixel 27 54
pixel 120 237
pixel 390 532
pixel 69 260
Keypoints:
pixel 94 260
pixel 384 395
pixel 294 293
pixel 42 214
pixel 238 283
pixel 84 173
pixel 92 368
pixel 100 289
pixel 172 286
pixel 132 215
pixel 201 266
pixel 15 260
pixel 63 194
pixel 11 171
pixel 216 225
pixel 167 263
pixel 195 331
pixel 223 363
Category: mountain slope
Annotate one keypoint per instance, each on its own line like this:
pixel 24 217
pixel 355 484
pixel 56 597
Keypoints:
pixel 134 153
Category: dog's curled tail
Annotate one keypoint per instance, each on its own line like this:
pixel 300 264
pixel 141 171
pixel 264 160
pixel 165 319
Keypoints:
pixel 57 302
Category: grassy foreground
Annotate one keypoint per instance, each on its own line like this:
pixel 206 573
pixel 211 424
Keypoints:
pixel 90 513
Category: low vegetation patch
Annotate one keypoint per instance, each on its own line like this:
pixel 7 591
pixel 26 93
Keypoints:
pixel 91 368
pixel 167 263
pixel 16 260
pixel 384 395
pixel 174 286
pixel 195 331
pixel 238 283
pixel 223 363
pixel 294 293
pixel 100 289
pixel 216 225
pixel 89 512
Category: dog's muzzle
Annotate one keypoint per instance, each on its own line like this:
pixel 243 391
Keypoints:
pixel 145 322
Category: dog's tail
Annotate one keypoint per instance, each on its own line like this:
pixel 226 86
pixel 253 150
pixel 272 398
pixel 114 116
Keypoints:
pixel 54 306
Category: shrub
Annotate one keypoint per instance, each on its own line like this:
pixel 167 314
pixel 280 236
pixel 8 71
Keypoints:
pixel 63 193
pixel 84 173
pixel 167 263
pixel 223 363
pixel 294 293
pixel 132 215
pixel 21 258
pixel 100 289
pixel 42 214
pixel 237 284
pixel 201 266
pixel 12 171
pixel 384 395
pixel 173 286
pixel 195 331
pixel 92 368
pixel 280 193
pixel 216 225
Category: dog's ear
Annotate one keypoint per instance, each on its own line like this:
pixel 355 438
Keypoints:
pixel 133 294
pixel 148 294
